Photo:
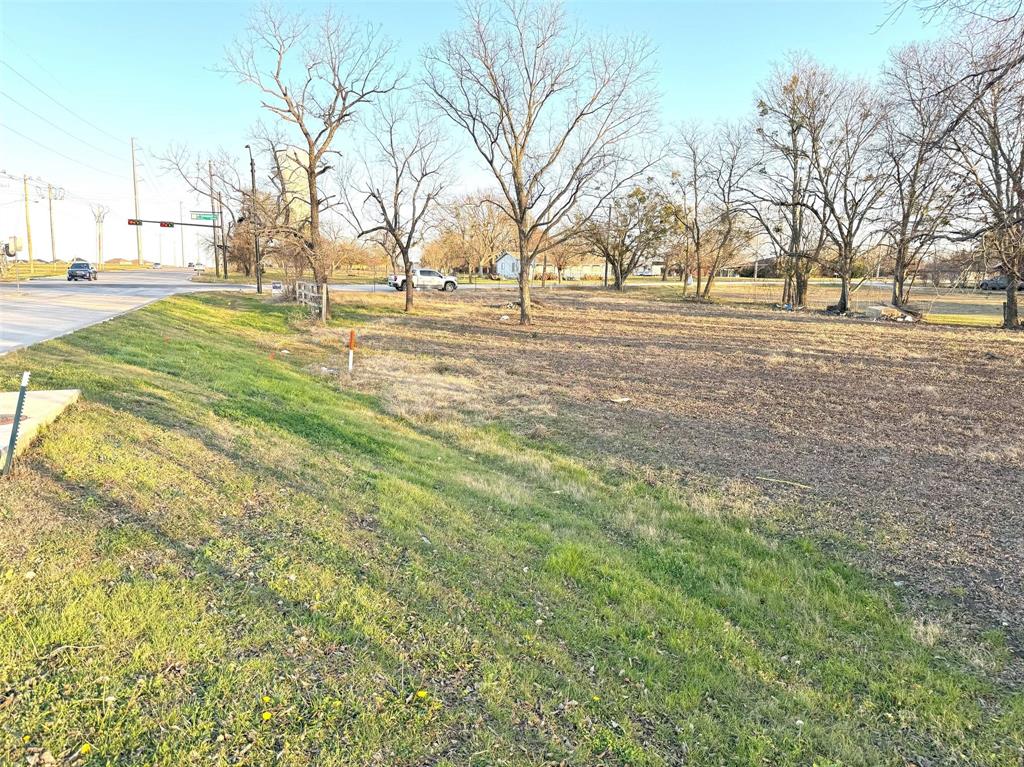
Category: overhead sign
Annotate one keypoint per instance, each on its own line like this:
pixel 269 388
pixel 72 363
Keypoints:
pixel 198 215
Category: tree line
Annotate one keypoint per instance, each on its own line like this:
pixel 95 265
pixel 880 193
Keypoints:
pixel 827 170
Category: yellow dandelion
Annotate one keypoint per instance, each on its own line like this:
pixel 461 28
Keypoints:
pixel 597 698
pixel 265 699
pixel 266 715
pixel 421 694
pixel 85 749
pixel 25 738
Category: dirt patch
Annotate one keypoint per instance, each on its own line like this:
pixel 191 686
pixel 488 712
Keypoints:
pixel 898 439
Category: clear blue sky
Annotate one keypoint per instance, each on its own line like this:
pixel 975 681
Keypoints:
pixel 149 70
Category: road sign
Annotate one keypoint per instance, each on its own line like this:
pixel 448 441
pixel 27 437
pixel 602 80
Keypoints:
pixel 134 222
pixel 167 224
pixel 202 216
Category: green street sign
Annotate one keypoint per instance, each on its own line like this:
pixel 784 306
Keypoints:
pixel 197 216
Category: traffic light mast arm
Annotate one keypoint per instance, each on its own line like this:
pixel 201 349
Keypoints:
pixel 167 224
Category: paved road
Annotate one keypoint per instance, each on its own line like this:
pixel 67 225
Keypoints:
pixel 46 308
pixel 381 288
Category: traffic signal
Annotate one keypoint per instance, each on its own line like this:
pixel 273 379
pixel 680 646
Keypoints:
pixel 167 224
pixel 134 222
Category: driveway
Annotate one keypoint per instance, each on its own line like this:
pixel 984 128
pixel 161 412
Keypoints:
pixel 38 310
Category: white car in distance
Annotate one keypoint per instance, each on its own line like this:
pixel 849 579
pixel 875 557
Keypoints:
pixel 425 278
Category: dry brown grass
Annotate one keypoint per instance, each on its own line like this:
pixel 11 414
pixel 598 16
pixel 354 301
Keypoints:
pixel 897 439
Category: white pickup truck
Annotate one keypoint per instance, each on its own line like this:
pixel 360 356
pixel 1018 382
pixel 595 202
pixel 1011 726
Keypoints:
pixel 425 278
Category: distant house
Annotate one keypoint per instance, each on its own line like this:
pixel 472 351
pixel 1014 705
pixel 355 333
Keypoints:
pixel 589 269
pixel 507 266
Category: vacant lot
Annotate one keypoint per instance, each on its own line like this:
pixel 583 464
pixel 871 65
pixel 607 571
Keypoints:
pixel 228 555
pixel 939 305
pixel 903 441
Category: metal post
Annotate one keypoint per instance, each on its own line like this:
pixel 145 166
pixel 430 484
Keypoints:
pixel 53 237
pixel 223 238
pixel 135 193
pixel 213 207
pixel 181 230
pixel 252 221
pixel 28 229
pixel 17 422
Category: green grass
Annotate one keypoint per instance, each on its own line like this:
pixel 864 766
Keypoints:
pixel 966 320
pixel 224 558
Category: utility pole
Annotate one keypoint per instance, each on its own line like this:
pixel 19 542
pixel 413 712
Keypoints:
pixel 135 192
pixel 100 212
pixel 213 207
pixel 252 221
pixel 181 230
pixel 28 226
pixel 223 239
pixel 53 237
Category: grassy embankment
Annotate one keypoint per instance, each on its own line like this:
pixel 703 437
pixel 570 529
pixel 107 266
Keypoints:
pixel 226 555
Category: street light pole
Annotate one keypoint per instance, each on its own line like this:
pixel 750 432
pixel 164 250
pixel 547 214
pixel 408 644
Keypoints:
pixel 252 221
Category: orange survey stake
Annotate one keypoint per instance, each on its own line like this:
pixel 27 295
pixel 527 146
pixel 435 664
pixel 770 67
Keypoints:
pixel 351 339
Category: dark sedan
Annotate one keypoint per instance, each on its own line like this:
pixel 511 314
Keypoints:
pixel 81 270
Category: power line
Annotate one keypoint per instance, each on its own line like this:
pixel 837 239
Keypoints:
pixel 39 184
pixel 61 154
pixel 28 55
pixel 62 130
pixel 154 182
pixel 58 103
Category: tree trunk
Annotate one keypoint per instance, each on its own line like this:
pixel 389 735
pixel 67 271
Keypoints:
pixel 619 282
pixel 1011 316
pixel 899 277
pixel 408 282
pixel 843 305
pixel 800 285
pixel 524 282
pixel 707 285
pixel 699 276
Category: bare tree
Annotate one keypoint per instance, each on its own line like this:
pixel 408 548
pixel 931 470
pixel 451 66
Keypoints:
pixel 923 191
pixel 556 116
pixel 691 180
pixel 479 227
pixel 314 76
pixel 630 232
pixel 713 167
pixel 849 179
pixel 217 178
pixel 403 178
pixel 566 254
pixel 729 233
pixel 778 193
pixel 988 149
pixel 1000 22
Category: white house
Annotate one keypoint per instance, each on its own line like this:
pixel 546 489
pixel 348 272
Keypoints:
pixel 507 266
